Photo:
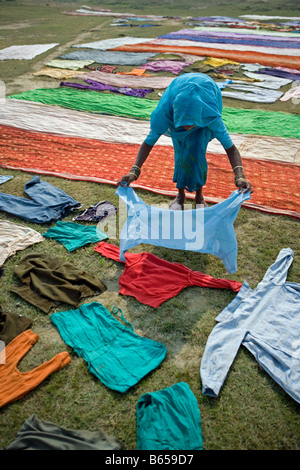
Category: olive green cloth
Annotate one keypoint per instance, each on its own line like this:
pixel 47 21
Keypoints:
pixel 45 281
pixel 44 435
pixel 11 325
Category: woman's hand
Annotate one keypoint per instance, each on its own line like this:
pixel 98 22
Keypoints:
pixel 244 185
pixel 127 179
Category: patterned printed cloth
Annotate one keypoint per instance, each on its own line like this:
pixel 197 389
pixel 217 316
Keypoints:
pixel 106 162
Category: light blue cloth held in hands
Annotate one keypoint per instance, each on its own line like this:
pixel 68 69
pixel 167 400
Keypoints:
pixel 205 230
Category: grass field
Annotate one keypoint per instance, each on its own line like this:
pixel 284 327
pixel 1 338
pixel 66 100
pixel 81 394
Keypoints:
pixel 252 411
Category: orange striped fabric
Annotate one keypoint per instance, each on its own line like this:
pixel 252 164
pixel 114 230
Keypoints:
pixel 104 162
pixel 270 60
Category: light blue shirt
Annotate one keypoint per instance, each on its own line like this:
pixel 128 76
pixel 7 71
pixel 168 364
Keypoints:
pixel 266 321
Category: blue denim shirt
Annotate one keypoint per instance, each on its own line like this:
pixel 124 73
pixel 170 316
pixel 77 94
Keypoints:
pixel 266 321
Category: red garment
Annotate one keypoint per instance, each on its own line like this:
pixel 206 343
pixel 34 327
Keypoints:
pixel 152 280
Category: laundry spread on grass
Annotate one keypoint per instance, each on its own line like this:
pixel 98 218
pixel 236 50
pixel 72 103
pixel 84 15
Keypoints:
pixel 251 93
pixel 114 353
pixel 253 32
pixel 92 101
pixel 103 162
pixel 241 121
pixel 12 324
pixel 152 280
pixel 70 64
pixel 293 92
pixel 36 434
pixel 16 384
pixel 97 86
pixel 3 178
pixel 109 57
pixel 26 52
pixel 106 44
pixel 267 57
pixel 234 38
pixel 15 237
pixel 166 65
pixel 73 235
pixel 268 81
pixel 90 129
pixel 97 212
pixel 169 419
pixel 126 79
pixel 91 12
pixel 44 281
pixel 33 116
pixel 265 321
pixel 229 51
pixel 44 202
pixel 57 73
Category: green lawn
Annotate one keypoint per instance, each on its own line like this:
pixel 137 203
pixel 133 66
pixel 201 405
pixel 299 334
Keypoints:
pixel 252 411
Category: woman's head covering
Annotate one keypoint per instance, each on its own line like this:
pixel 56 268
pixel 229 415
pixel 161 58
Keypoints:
pixel 197 105
pixel 192 99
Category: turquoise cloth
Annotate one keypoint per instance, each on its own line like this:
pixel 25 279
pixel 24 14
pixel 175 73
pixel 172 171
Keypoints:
pixel 169 419
pixel 113 352
pixel 192 99
pixel 73 235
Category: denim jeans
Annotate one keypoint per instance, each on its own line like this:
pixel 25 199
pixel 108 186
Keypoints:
pixel 46 204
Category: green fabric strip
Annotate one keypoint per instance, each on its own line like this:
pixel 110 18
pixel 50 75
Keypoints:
pixel 238 121
pixel 92 101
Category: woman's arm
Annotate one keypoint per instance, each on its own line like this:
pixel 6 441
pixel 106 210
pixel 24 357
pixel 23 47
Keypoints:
pixel 237 166
pixel 135 171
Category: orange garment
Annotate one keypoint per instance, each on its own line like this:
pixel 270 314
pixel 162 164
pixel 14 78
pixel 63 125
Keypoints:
pixel 270 60
pixel 15 384
pixel 138 72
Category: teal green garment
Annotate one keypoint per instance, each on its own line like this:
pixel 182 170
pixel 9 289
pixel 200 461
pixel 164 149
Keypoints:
pixel 169 419
pixel 73 235
pixel 237 121
pixel 113 352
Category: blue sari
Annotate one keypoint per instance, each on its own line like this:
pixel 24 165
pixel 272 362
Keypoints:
pixel 192 99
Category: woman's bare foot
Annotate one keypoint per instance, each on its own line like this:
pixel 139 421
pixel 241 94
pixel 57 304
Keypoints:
pixel 177 203
pixel 201 204
pixel 199 200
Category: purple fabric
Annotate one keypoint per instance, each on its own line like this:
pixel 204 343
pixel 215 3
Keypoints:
pixel 218 18
pixel 96 212
pixel 223 40
pixel 280 73
pixel 236 35
pixel 165 65
pixel 97 86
